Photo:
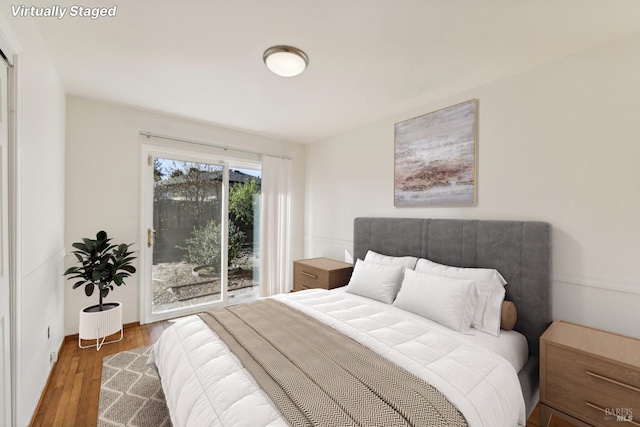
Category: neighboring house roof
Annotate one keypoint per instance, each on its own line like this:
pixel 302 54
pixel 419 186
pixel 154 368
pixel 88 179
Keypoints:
pixel 235 177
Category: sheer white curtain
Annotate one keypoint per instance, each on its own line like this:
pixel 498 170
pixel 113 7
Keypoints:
pixel 275 233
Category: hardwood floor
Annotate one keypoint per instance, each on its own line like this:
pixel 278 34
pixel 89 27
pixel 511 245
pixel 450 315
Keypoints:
pixel 72 394
pixel 534 420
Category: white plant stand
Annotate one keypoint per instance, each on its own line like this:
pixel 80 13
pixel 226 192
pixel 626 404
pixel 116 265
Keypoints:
pixel 99 325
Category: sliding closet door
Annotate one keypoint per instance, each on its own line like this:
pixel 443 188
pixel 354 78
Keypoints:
pixel 5 295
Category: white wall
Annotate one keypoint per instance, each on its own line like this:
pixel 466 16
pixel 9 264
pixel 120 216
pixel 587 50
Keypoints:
pixel 558 143
pixel 40 209
pixel 103 136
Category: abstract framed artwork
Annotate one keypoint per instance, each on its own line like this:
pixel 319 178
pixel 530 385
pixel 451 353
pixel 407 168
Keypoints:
pixel 435 157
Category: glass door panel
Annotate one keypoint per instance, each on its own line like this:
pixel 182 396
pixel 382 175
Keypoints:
pixel 189 260
pixel 244 234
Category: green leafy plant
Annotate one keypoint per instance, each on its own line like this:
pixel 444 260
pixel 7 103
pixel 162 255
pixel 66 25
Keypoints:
pixel 102 264
pixel 204 247
pixel 242 201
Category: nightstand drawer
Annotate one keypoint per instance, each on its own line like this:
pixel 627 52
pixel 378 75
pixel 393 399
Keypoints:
pixel 310 277
pixel 590 371
pixel 588 402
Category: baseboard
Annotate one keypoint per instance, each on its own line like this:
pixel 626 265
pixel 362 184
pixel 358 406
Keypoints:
pixel 75 337
pixel 46 386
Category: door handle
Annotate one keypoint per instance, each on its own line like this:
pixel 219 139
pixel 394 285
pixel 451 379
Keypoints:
pixel 151 237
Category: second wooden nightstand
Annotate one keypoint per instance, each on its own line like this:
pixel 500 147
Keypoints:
pixel 589 376
pixel 321 273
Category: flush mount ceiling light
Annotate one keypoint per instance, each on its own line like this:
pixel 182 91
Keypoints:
pixel 285 61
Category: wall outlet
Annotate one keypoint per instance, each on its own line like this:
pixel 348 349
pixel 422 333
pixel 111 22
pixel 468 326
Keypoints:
pixel 53 357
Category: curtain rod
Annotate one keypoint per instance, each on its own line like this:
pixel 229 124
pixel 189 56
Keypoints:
pixel 207 144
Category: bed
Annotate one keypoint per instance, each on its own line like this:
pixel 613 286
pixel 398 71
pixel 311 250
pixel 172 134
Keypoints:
pixel 488 382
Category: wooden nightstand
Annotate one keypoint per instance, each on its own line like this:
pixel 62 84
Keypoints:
pixel 321 273
pixel 589 377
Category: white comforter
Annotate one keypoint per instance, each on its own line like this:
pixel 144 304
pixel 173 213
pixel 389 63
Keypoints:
pixel 205 384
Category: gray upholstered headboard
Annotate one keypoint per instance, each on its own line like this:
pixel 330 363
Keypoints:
pixel 519 250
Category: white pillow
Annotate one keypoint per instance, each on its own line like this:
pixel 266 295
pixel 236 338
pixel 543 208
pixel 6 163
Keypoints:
pixel 376 281
pixel 490 288
pixel 450 302
pixel 405 261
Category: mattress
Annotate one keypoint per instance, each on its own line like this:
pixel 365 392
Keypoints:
pixel 205 384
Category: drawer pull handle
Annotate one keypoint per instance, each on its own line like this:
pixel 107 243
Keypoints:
pixel 630 387
pixel 304 273
pixel 591 405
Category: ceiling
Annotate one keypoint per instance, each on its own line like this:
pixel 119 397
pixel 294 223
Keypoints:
pixel 369 59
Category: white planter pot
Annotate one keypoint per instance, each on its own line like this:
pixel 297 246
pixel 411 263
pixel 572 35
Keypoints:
pixel 100 324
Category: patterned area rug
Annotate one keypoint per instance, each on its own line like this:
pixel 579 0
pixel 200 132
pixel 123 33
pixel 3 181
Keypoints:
pixel 130 392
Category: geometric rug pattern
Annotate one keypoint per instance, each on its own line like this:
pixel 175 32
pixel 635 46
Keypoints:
pixel 130 392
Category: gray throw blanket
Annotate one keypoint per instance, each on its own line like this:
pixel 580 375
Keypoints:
pixel 316 376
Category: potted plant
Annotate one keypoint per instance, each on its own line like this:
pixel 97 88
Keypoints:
pixel 101 265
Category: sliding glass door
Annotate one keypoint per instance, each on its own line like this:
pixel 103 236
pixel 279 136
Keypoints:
pixel 201 234
pixel 188 232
